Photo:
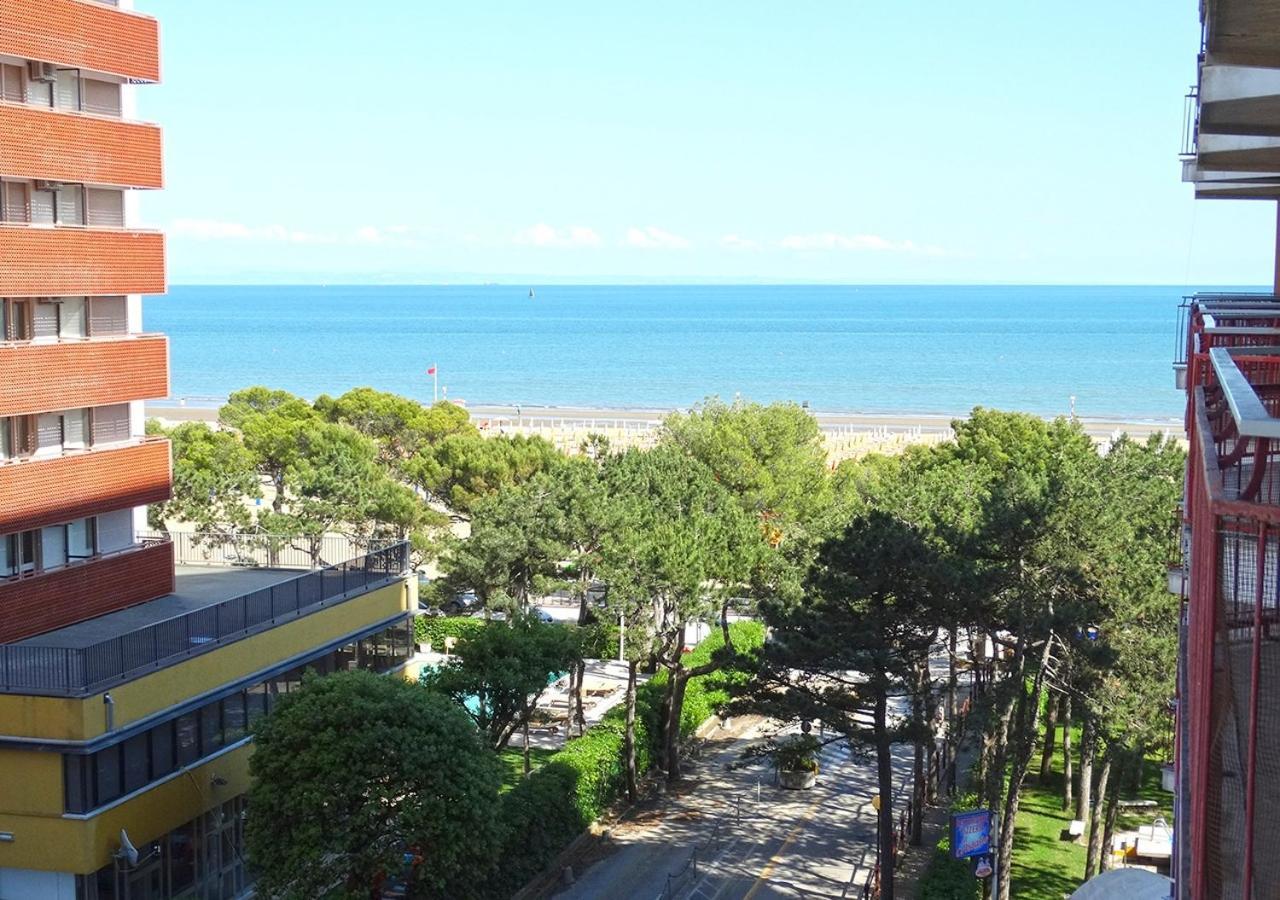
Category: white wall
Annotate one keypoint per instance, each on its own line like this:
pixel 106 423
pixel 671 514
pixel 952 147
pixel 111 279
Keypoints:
pixel 27 884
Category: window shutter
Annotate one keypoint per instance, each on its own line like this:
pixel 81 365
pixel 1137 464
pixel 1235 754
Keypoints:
pixel 41 207
pixel 15 203
pixel 71 206
pixel 46 325
pixel 53 546
pixel 115 530
pixel 101 97
pixel 11 84
pixel 49 431
pixel 111 423
pixel 106 208
pixel 108 315
pixel 75 428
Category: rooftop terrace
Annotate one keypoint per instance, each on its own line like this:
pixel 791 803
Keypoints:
pixel 210 608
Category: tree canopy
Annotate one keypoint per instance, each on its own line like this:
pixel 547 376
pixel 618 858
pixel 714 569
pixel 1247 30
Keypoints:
pixel 354 774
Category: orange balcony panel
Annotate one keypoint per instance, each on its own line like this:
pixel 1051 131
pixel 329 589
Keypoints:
pixel 41 492
pixel 76 262
pixel 37 378
pixel 82 35
pixel 59 146
pixel 94 587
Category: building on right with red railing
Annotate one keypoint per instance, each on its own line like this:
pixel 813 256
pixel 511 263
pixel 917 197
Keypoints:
pixel 1228 747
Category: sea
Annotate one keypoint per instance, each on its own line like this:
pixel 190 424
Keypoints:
pixel 897 349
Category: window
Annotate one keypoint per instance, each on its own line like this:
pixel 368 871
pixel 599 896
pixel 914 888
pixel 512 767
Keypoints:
pixel 73 323
pixel 162 755
pixel 188 739
pixel 15 206
pixel 75 429
pixel 106 207
pixel 70 205
pixel 210 729
pixel 137 765
pixel 53 546
pixel 101 97
pixel 111 423
pixel 76 782
pixel 106 771
pixel 17 315
pixel 82 539
pixel 233 718
pixel 47 321
pixel 42 208
pixel 257 702
pixel 108 315
pixel 39 93
pixel 12 86
pixel 66 87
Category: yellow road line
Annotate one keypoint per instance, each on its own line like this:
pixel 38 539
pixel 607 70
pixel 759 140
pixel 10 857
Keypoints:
pixel 773 860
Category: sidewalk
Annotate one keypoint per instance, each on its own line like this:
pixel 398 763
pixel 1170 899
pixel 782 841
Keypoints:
pixel 937 819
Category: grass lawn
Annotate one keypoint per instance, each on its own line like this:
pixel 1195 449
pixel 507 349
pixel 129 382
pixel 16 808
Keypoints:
pixel 512 760
pixel 1044 866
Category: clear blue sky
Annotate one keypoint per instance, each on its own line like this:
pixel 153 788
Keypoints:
pixel 829 140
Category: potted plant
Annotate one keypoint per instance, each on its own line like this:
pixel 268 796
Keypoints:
pixel 796 760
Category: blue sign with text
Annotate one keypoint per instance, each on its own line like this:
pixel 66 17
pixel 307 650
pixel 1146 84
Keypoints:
pixel 971 833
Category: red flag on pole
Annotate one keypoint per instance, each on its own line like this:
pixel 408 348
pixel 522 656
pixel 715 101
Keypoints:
pixel 431 371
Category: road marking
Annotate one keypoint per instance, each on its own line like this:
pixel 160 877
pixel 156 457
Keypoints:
pixel 773 860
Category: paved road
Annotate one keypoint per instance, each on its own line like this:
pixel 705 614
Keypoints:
pixel 789 844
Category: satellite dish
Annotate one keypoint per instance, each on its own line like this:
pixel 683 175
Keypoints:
pixel 127 850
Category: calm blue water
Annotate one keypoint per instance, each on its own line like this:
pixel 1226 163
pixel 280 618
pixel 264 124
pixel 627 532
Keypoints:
pixel 861 349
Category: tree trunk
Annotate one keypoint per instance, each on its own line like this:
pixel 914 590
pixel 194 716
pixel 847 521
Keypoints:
pixel 1027 729
pixel 953 681
pixel 527 767
pixel 679 680
pixel 580 716
pixel 919 714
pixel 1067 786
pixel 884 771
pixel 1126 764
pixel 629 733
pixel 1084 800
pixel 1096 825
pixel 1050 734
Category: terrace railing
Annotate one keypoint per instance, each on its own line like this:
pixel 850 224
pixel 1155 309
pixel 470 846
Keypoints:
pixel 79 671
pixel 273 551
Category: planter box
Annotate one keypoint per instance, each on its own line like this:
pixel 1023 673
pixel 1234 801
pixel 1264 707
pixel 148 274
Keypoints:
pixel 797 781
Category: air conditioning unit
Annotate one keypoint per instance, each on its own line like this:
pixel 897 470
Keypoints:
pixel 41 185
pixel 42 71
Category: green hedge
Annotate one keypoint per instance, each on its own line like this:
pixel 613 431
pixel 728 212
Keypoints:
pixel 946 878
pixel 576 785
pixel 436 629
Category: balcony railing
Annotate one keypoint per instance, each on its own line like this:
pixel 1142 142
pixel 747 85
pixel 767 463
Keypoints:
pixel 38 377
pixel 75 261
pixel 46 491
pixel 80 671
pixel 93 36
pixel 57 145
pixel 273 551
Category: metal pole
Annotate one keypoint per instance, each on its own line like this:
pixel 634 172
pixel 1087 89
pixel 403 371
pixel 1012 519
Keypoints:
pixel 995 870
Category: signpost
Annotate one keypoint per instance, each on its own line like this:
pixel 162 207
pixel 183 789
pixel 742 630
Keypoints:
pixel 973 834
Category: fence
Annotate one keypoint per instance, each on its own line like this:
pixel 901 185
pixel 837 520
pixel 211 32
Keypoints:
pixel 271 551
pixel 77 671
pixel 690 866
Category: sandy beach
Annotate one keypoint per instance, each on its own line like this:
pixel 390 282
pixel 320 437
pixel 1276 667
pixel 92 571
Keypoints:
pixel 847 434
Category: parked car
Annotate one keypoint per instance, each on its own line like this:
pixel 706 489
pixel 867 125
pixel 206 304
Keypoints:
pixel 461 603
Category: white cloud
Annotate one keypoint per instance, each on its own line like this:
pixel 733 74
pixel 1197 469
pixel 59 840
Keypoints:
pixel 654 238
pixel 736 242
pixel 544 235
pixel 213 230
pixel 874 243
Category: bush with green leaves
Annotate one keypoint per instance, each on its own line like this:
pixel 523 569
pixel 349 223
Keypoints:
pixel 354 771
pixel 435 629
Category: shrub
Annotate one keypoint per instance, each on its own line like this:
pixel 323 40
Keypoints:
pixel 436 629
